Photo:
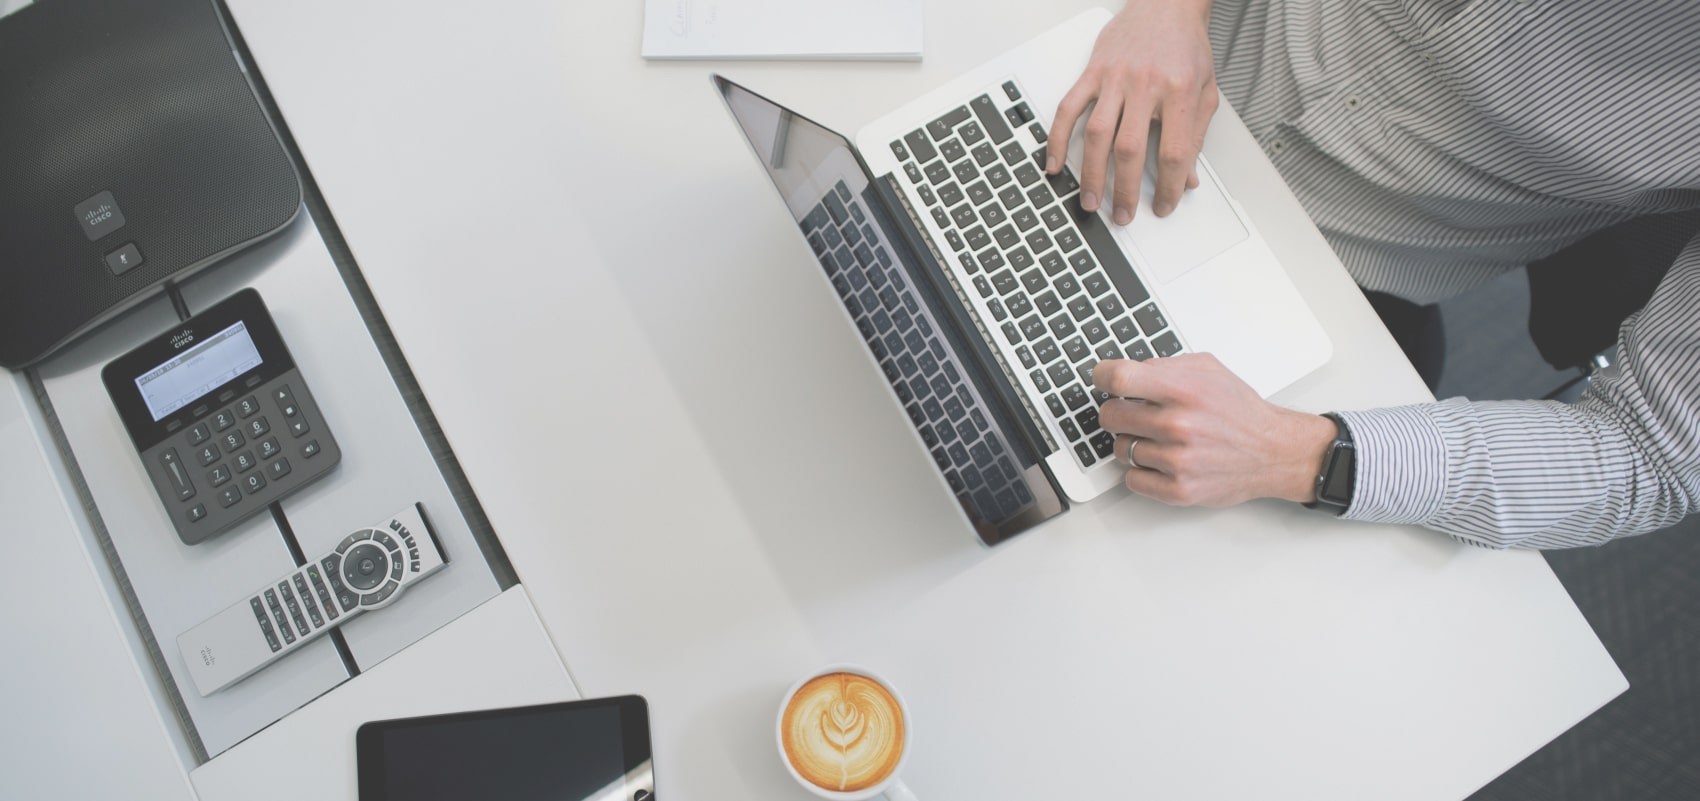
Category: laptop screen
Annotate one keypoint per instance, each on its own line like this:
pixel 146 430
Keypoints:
pixel 842 211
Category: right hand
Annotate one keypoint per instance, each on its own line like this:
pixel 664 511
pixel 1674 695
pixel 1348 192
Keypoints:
pixel 1152 62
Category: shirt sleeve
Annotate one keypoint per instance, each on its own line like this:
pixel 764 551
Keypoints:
pixel 1622 460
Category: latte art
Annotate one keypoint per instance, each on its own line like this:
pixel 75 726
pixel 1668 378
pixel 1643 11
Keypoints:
pixel 843 732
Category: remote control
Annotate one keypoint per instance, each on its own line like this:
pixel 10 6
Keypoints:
pixel 367 570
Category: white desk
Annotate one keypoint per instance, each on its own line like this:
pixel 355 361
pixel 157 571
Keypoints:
pixel 707 492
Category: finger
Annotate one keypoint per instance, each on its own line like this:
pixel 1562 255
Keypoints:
pixel 1129 416
pixel 1206 112
pixel 1126 378
pixel 1192 177
pixel 1062 127
pixel 1152 484
pixel 1144 454
pixel 1131 142
pixel 1177 155
pixel 1100 135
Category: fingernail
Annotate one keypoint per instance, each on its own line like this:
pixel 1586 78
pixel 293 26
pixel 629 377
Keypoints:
pixel 1051 164
pixel 1089 201
pixel 1164 208
pixel 1123 215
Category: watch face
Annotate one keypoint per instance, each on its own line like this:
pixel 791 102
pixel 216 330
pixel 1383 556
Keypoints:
pixel 1337 476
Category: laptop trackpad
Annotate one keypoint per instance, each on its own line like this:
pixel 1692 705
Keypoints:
pixel 1202 225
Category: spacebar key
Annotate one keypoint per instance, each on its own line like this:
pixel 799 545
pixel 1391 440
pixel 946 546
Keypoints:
pixel 1109 253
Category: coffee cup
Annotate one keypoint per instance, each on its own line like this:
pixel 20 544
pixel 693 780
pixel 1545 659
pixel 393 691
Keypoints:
pixel 844 734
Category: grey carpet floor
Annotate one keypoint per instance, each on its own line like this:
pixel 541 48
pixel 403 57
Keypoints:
pixel 1641 595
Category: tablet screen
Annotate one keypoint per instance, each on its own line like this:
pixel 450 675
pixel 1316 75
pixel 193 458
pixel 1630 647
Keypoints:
pixel 582 751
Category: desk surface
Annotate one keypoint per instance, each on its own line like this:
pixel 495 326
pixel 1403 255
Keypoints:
pixel 707 491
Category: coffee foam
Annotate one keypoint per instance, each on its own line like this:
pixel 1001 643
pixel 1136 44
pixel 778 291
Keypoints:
pixel 843 732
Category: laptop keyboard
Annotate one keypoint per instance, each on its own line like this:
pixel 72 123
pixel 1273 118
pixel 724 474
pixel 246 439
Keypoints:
pixel 1033 257
pixel 925 373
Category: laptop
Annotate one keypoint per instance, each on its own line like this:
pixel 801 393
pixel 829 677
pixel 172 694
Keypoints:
pixel 986 294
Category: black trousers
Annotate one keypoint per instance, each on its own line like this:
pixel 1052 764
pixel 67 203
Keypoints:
pixel 1418 331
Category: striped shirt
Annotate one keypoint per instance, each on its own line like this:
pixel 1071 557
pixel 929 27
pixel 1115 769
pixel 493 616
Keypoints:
pixel 1439 143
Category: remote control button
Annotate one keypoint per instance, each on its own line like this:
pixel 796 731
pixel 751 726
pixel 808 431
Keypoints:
pixel 283 396
pixel 197 513
pixel 278 469
pixel 247 406
pixel 231 441
pixel 245 461
pixel 364 566
pixel 348 541
pixel 311 449
pixel 387 541
pixel 293 606
pixel 229 496
pixel 218 475
pixel 307 601
pixel 177 474
pixel 298 426
pixel 379 596
pixel 254 483
pixel 319 590
pixel 258 427
pixel 395 569
pixel 198 433
pixel 259 611
pixel 223 420
pixel 270 448
pixel 206 454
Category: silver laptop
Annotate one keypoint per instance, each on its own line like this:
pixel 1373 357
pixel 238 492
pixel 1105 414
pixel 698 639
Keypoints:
pixel 986 294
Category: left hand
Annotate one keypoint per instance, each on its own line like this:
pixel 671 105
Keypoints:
pixel 1204 437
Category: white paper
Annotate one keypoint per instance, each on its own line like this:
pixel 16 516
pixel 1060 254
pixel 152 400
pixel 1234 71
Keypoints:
pixel 778 29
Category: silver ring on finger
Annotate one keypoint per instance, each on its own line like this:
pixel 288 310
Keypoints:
pixel 1133 442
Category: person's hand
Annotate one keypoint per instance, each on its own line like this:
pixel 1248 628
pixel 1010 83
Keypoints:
pixel 1201 437
pixel 1152 62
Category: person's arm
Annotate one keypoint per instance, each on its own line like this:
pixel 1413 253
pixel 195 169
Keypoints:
pixel 1152 62
pixel 1623 460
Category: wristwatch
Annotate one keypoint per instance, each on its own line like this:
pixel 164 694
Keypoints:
pixel 1339 470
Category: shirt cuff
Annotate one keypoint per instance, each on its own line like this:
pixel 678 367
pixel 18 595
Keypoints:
pixel 1401 465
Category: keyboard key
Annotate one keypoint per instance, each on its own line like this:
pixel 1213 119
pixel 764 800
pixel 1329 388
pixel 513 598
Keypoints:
pixel 1088 419
pixel 1066 286
pixel 950 194
pixel 1025 219
pixel 1083 452
pixel 1041 196
pixel 1084 370
pixel 1080 307
pixel 1034 280
pixel 1005 282
pixel 993 215
pixel 1011 333
pixel 984 154
pixel 971 133
pixel 1081 261
pixel 926 194
pixel 229 496
pixel 244 461
pixel 1052 263
pixel 1110 306
pixel 1013 155
pixel 1026 174
pixel 918 145
pixel 298 427
pixel 964 171
pixel 963 215
pixel 1150 319
pixel 1102 443
pixel 1108 350
pixel 1061 326
pixel 1038 132
pixel 951 150
pixel 1062 183
pixel 1018 115
pixel 1039 241
pixel 998 176
pixel 1095 331
pixel 1011 198
pixel 206 454
pixel 1076 349
pixel 941 127
pixel 232 441
pixel 990 118
pixel 1060 373
pixel 1069 429
pixel 223 420
pixel 1026 357
pixel 997 309
pixel 1039 382
pixel 982 286
pixel 1048 303
pixel 937 173
pixel 1006 236
pixel 898 150
pixel 979 194
pixel 198 434
pixel 1019 305
pixel 1068 240
pixel 1020 259
pixel 1166 344
pixel 1125 330
pixel 1046 350
pixel 912 171
pixel 1096 284
pixel 1054 217
pixel 1010 91
pixel 1032 327
pixel 835 207
pixel 990 258
pixel 218 475
pixel 246 407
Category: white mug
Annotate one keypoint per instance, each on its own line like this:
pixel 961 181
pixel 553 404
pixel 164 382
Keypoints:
pixel 892 787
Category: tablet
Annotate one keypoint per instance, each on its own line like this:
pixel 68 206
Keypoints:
pixel 595 750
